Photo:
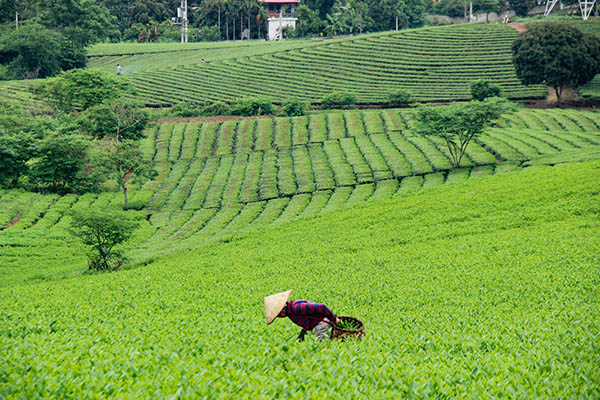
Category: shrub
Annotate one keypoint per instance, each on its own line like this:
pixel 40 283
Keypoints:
pixel 252 106
pixel 216 108
pixel 294 107
pixel 102 231
pixel 400 97
pixel 481 89
pixel 183 109
pixel 339 99
pixel 206 34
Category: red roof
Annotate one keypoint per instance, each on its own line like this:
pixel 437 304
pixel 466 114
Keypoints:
pixel 280 1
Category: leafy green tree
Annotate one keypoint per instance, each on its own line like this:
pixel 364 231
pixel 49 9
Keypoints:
pixel 488 6
pixel 458 124
pixel 81 89
pixel 558 55
pixel 400 97
pixel 15 151
pixel 31 52
pixel 521 7
pixel 60 162
pixel 121 120
pixel 481 89
pixel 294 107
pixel 82 22
pixel 125 163
pixel 102 231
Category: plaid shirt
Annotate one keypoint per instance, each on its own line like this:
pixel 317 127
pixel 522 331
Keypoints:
pixel 308 314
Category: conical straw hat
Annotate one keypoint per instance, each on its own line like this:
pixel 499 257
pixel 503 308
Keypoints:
pixel 275 303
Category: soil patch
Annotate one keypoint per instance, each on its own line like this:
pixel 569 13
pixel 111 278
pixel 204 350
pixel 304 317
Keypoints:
pixel 518 26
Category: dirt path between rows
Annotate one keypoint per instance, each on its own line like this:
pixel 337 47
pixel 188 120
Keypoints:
pixel 518 26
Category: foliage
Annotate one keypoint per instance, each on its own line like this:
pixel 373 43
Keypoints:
pixel 36 52
pixel 81 89
pixel 293 107
pixel 556 54
pixel 116 119
pixel 459 124
pixel 102 231
pixel 481 89
pixel 521 7
pixel 206 34
pixel 60 162
pixel 15 151
pixel 124 162
pixel 400 97
pixel 252 106
pixel 338 99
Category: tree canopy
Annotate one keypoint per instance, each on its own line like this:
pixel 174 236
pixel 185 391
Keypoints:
pixel 556 54
pixel 459 123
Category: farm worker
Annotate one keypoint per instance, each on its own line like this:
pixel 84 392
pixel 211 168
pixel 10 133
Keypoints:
pixel 118 69
pixel 313 317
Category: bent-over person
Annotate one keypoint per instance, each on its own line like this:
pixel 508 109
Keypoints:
pixel 313 317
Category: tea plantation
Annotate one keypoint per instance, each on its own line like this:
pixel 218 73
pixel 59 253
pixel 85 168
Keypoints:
pixel 477 281
pixel 435 64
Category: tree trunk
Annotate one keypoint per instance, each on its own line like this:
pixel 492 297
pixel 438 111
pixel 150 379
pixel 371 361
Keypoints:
pixel 124 196
pixel 226 27
pixel 558 90
pixel 233 29
pixel 219 21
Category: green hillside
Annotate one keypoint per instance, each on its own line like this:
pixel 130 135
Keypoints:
pixel 481 288
pixel 216 179
pixel 435 64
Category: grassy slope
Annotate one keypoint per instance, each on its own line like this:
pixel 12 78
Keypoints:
pixel 486 287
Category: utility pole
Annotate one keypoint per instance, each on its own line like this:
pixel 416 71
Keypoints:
pixel 182 12
pixel 17 19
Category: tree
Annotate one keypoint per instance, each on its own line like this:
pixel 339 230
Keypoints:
pixel 521 7
pixel 31 52
pixel 123 162
pixel 15 151
pixel 558 55
pixel 60 162
pixel 82 22
pixel 81 89
pixel 488 6
pixel 481 89
pixel 121 120
pixel 102 231
pixel 458 124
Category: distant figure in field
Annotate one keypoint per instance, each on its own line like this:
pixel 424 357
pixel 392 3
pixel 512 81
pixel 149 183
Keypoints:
pixel 202 61
pixel 312 317
pixel 505 19
pixel 118 69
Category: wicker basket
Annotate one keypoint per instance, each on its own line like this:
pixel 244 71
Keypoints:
pixel 338 333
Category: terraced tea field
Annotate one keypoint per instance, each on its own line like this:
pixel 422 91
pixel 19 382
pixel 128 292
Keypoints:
pixel 435 64
pixel 218 179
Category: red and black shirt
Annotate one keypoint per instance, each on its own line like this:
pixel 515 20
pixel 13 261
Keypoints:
pixel 308 314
